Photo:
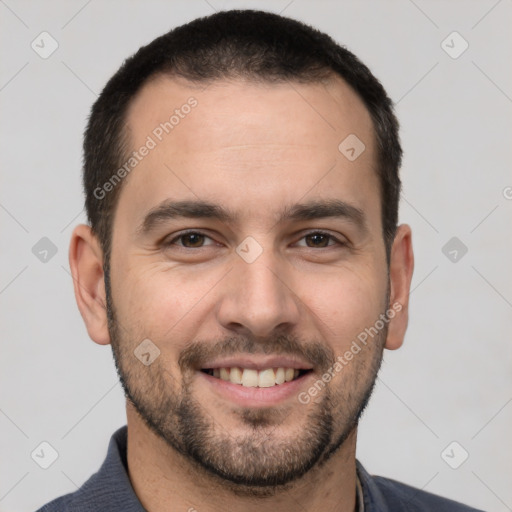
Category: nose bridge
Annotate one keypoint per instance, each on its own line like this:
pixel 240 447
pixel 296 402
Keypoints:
pixel 258 297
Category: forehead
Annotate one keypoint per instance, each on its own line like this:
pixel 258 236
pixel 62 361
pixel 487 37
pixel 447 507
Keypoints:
pixel 330 107
pixel 247 144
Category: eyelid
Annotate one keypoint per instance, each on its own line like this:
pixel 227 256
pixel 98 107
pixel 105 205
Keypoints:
pixel 183 233
pixel 335 238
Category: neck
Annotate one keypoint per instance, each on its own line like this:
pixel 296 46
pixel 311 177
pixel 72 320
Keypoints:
pixel 164 480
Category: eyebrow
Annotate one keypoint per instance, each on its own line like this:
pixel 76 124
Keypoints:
pixel 196 209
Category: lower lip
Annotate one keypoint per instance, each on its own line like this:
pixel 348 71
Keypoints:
pixel 256 397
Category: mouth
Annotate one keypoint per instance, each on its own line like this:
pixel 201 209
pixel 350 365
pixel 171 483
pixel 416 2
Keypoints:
pixel 255 378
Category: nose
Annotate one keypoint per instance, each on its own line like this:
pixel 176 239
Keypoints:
pixel 258 298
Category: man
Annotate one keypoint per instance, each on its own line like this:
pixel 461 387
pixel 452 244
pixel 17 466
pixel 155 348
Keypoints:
pixel 244 261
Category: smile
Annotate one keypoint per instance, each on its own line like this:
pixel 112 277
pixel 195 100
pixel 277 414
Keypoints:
pixel 253 378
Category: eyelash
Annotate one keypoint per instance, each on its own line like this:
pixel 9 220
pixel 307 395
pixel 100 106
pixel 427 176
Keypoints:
pixel 316 232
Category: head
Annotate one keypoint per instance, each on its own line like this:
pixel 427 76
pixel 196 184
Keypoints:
pixel 231 225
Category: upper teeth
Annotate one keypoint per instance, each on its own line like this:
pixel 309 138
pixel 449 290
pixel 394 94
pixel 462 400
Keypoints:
pixel 256 378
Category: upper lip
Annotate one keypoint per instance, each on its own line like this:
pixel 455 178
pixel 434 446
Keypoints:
pixel 258 362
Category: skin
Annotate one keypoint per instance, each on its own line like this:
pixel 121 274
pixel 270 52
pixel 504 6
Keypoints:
pixel 252 148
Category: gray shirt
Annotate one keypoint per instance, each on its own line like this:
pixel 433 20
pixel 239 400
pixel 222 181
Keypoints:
pixel 110 490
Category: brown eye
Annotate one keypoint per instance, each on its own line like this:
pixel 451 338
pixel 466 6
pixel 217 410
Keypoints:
pixel 190 240
pixel 318 240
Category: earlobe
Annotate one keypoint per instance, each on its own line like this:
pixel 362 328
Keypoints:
pixel 401 268
pixel 86 264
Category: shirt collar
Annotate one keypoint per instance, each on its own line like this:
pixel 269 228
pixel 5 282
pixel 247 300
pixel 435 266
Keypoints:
pixel 110 487
pixel 359 495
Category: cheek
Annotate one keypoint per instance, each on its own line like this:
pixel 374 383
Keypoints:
pixel 344 303
pixel 160 302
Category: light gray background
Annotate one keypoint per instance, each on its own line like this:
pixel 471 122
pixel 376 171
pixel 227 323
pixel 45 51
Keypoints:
pixel 451 381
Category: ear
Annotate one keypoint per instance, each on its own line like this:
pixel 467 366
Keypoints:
pixel 86 263
pixel 401 267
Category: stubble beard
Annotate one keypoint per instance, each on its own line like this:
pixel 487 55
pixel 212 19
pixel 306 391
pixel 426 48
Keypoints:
pixel 257 462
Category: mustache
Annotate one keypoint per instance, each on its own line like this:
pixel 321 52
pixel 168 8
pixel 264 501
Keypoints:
pixel 198 353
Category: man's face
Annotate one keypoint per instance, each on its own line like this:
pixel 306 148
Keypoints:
pixel 255 291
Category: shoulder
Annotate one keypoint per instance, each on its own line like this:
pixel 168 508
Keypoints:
pixel 59 504
pixel 79 501
pixel 97 493
pixel 108 489
pixel 390 495
pixel 413 499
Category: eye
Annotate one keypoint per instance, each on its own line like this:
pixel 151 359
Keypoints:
pixel 189 240
pixel 320 239
pixel 196 240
